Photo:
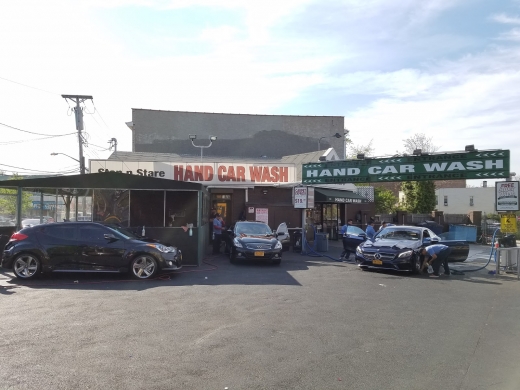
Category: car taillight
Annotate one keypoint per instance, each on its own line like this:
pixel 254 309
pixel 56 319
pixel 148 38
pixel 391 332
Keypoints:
pixel 18 237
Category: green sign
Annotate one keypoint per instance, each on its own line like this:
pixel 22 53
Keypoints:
pixel 485 164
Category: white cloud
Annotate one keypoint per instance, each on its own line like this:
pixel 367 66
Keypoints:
pixel 506 19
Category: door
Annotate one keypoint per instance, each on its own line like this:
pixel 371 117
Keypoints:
pixel 282 234
pixel 60 245
pixel 330 220
pixel 354 237
pixel 96 252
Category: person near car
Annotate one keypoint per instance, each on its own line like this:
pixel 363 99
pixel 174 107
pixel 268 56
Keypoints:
pixel 383 225
pixel 438 254
pixel 212 214
pixel 344 231
pixel 217 231
pixel 371 232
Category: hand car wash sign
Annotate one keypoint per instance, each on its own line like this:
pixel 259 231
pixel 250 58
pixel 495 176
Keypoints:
pixel 489 164
pixel 205 173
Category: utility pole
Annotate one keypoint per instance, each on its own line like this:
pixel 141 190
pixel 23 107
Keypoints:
pixel 78 112
pixel 113 144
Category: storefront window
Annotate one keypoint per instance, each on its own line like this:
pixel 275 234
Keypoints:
pixel 111 206
pixel 181 208
pixel 147 208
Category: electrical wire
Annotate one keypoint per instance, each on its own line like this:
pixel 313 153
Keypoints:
pixel 27 169
pixel 32 132
pixel 28 86
pixel 34 139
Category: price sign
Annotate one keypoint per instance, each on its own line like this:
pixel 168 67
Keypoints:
pixel 300 197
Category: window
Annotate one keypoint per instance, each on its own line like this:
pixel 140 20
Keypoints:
pixel 445 200
pixel 60 231
pixel 91 233
pixel 471 201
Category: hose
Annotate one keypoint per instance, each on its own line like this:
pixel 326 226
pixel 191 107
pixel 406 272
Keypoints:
pixel 493 251
pixel 312 250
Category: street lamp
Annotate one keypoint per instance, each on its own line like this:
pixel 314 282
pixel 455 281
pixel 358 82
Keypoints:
pixel 193 137
pixel 337 135
pixel 81 163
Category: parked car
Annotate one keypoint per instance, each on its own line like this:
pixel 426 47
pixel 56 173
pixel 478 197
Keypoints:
pixel 85 247
pixel 256 240
pixel 398 248
pixel 32 222
pixel 355 236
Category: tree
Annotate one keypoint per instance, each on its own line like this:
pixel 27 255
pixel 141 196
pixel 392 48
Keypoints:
pixel 385 200
pixel 419 141
pixel 419 196
pixel 8 200
pixel 354 150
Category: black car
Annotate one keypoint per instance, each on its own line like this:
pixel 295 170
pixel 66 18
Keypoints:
pixel 354 237
pixel 255 240
pixel 398 248
pixel 85 247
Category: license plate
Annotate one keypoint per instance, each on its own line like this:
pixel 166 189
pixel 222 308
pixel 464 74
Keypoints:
pixel 377 262
pixel 259 254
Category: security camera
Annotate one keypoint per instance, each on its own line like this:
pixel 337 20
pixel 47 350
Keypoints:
pixel 212 138
pixel 193 136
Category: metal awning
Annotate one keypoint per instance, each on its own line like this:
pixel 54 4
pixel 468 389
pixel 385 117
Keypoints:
pixel 323 195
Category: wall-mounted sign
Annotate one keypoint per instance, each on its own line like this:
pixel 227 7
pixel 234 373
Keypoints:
pixel 300 197
pixel 506 195
pixel 262 215
pixel 508 223
pixel 492 164
pixel 310 197
pixel 251 210
pixel 206 173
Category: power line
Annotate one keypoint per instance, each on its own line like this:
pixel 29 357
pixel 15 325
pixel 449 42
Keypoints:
pixel 35 139
pixel 32 132
pixel 28 86
pixel 30 170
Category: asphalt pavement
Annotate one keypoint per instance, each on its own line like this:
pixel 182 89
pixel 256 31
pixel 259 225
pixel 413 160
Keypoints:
pixel 310 323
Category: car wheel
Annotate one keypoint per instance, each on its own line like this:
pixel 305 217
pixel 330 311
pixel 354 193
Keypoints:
pixel 232 256
pixel 144 267
pixel 26 266
pixel 415 265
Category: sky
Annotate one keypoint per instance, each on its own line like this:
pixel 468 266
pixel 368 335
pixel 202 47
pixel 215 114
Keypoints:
pixel 444 68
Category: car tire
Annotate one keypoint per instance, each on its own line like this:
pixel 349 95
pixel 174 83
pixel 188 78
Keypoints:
pixel 232 256
pixel 27 266
pixel 415 266
pixel 143 267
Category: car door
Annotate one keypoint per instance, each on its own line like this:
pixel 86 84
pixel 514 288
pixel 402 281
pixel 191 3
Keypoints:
pixel 354 237
pixel 60 246
pixel 282 234
pixel 98 252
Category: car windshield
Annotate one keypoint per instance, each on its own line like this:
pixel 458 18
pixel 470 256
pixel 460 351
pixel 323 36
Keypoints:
pixel 398 234
pixel 258 229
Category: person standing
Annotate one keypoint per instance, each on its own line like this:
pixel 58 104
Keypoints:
pixel 212 214
pixel 217 231
pixel 371 232
pixel 438 254
pixel 344 232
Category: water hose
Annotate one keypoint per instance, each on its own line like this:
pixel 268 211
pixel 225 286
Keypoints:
pixel 311 251
pixel 493 251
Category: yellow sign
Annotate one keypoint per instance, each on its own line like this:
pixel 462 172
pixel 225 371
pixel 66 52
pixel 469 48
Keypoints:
pixel 508 223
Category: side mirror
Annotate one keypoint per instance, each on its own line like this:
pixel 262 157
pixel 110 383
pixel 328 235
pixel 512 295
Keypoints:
pixel 110 237
pixel 434 241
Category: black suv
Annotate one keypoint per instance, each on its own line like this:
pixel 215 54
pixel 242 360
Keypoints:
pixel 255 240
pixel 86 247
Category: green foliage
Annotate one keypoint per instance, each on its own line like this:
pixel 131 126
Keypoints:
pixel 385 200
pixel 419 196
pixel 8 200
pixel 354 150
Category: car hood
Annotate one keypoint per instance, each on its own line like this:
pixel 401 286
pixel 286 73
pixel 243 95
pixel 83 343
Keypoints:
pixel 391 244
pixel 256 239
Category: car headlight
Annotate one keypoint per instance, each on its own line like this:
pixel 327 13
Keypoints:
pixel 405 254
pixel 359 251
pixel 278 245
pixel 237 243
pixel 162 248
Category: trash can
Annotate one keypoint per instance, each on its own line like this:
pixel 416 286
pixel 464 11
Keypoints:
pixel 322 242
pixel 296 239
